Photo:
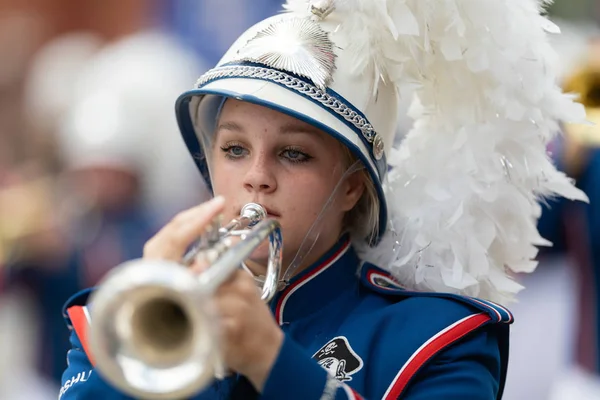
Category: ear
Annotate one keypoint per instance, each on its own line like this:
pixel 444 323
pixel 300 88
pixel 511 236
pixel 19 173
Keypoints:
pixel 354 187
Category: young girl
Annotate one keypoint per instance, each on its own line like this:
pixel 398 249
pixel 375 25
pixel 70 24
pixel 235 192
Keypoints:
pixel 383 248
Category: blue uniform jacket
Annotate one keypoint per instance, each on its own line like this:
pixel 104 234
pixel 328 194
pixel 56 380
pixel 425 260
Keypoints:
pixel 350 336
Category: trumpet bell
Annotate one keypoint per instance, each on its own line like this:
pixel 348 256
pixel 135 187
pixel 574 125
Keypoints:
pixel 154 334
pixel 154 339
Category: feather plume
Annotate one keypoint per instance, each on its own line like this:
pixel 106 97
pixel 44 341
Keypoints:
pixel 466 182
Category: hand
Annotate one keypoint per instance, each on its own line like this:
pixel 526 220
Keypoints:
pixel 251 338
pixel 171 242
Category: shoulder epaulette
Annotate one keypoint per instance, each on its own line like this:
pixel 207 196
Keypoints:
pixel 77 317
pixel 383 282
pixel 78 299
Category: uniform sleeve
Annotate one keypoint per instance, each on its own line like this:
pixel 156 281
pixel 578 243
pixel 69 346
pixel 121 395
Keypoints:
pixel 80 381
pixel 468 369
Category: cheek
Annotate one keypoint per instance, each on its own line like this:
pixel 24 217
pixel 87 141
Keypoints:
pixel 303 202
pixel 305 195
pixel 224 177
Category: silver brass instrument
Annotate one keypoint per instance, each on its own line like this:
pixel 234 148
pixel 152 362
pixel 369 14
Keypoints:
pixel 153 333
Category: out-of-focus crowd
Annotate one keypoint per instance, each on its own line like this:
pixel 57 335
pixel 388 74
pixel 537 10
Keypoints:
pixel 91 165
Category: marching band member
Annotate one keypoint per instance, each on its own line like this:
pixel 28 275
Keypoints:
pixel 395 259
pixel 577 226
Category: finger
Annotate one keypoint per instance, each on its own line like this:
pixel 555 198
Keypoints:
pixel 199 265
pixel 232 329
pixel 231 306
pixel 241 284
pixel 204 260
pixel 174 238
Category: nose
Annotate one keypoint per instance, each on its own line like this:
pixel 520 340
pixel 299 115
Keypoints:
pixel 260 177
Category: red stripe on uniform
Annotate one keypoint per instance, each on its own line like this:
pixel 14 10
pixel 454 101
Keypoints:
pixel 81 324
pixel 357 396
pixel 488 307
pixel 350 393
pixel 430 348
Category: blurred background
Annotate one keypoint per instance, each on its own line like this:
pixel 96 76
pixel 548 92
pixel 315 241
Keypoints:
pixel 91 164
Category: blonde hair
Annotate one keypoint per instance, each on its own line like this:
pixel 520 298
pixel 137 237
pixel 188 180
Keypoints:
pixel 362 221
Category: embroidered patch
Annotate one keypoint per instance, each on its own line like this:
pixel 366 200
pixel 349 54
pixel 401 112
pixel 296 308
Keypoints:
pixel 338 358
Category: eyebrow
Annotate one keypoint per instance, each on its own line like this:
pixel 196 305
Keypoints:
pixel 289 128
pixel 230 126
pixel 300 128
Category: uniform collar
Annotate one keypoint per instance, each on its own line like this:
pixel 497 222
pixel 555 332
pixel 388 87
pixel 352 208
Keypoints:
pixel 320 283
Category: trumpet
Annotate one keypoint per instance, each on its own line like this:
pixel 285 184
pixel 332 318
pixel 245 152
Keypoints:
pixel 153 334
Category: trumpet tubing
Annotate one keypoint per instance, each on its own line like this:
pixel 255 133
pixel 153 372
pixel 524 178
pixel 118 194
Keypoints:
pixel 154 334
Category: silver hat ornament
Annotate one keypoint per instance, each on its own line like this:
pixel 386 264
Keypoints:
pixel 296 45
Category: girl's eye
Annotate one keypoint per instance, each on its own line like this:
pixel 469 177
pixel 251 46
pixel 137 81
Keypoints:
pixel 234 151
pixel 295 155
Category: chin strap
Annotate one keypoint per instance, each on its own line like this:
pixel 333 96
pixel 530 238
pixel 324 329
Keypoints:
pixel 311 237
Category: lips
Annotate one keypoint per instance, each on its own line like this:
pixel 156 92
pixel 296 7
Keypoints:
pixel 271 213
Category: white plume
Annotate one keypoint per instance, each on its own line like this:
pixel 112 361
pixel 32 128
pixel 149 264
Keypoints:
pixel 466 181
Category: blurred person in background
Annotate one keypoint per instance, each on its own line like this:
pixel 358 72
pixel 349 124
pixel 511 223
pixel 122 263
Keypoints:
pixel 109 176
pixel 21 33
pixel 578 154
